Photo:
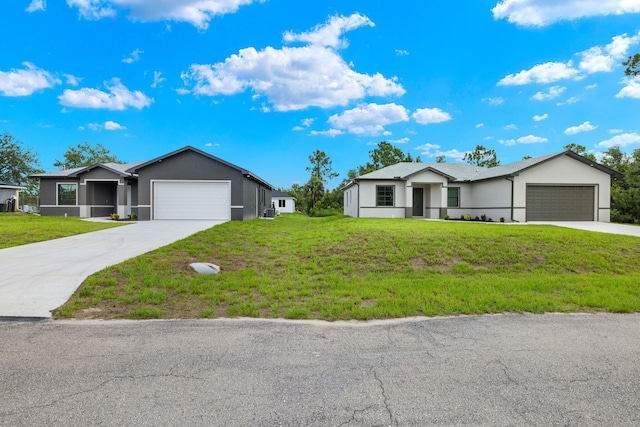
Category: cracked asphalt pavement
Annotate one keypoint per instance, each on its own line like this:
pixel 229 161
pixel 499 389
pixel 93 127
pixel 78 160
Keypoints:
pixel 551 369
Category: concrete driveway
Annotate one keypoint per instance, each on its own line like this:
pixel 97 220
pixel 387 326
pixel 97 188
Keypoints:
pixel 601 227
pixel 40 277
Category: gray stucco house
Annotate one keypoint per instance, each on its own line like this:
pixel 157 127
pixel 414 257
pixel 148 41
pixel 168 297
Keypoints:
pixel 561 186
pixel 184 184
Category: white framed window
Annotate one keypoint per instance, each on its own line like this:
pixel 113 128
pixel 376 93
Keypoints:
pixel 67 194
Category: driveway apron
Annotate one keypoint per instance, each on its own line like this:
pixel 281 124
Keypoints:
pixel 601 227
pixel 40 277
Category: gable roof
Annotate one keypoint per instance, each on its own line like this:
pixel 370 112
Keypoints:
pixel 244 172
pixel 462 172
pixel 117 168
pixel 280 194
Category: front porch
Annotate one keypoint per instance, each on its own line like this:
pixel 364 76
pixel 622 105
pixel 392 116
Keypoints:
pixel 425 200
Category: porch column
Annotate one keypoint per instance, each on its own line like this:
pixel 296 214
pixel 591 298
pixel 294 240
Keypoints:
pixel 408 209
pixel 443 200
pixel 121 198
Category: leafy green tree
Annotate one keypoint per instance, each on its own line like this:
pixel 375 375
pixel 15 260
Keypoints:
pixel 625 189
pixel 16 162
pixel 633 66
pixel 581 150
pixel 441 159
pixel 321 173
pixel 526 157
pixel 482 157
pixel 385 155
pixel 85 155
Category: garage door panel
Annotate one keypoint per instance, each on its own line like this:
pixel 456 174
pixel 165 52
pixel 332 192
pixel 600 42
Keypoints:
pixel 192 200
pixel 560 203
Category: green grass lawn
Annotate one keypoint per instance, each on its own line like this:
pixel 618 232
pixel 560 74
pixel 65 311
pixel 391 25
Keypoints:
pixel 19 229
pixel 345 268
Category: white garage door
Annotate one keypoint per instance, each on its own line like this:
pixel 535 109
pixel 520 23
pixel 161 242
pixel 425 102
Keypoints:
pixel 192 200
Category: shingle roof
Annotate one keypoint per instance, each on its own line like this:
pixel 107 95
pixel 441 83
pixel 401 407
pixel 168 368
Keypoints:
pixel 118 168
pixel 276 193
pixel 461 172
pixel 10 185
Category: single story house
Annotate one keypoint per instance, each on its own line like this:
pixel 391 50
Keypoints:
pixel 9 194
pixel 184 184
pixel 283 202
pixel 562 186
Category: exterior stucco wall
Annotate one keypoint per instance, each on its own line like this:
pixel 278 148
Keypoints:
pixel 252 193
pixel 188 165
pixel 368 208
pixel 48 198
pixel 564 170
pixel 351 201
pixel 289 204
pixel 491 198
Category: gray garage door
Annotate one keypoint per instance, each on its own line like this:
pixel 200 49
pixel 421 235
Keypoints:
pixel 560 203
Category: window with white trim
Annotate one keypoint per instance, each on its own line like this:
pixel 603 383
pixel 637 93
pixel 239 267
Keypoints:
pixel 282 203
pixel 67 194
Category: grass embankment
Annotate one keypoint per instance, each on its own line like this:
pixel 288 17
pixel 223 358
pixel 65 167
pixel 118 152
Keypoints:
pixel 343 268
pixel 20 229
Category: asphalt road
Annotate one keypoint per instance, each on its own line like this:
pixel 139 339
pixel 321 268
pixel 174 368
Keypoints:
pixel 488 370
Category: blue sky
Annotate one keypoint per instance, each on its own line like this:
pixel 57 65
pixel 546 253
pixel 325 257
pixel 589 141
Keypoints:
pixel 264 83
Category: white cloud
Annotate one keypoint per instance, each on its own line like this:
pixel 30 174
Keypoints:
pixel 292 78
pixel 433 150
pixel 479 125
pixel 594 60
pixel 26 81
pixel 72 80
pixel 133 57
pixel 308 121
pixel 631 90
pixel 569 101
pixel 603 59
pixel 157 79
pixel 195 12
pixel 400 141
pixel 93 9
pixel 510 127
pixel 329 34
pixel 426 116
pixel 110 125
pixel 331 132
pixel 297 128
pixel 538 118
pixel 554 92
pixel 529 139
pixel 36 5
pixel 538 13
pixel 118 97
pixel 585 127
pixel 590 87
pixel 620 140
pixel 543 73
pixel 615 131
pixel 493 101
pixel 401 52
pixel 369 119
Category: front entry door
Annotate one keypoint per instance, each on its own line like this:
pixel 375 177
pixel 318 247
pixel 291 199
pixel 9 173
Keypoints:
pixel 418 202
